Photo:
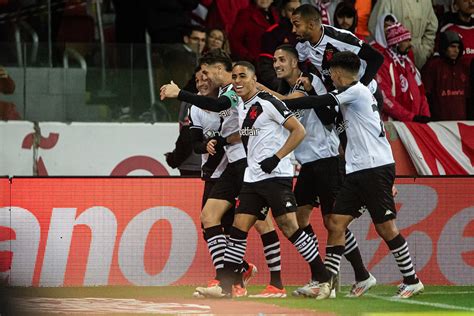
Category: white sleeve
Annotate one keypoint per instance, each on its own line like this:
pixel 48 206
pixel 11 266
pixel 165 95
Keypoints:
pixel 346 97
pixel 278 111
pixel 195 117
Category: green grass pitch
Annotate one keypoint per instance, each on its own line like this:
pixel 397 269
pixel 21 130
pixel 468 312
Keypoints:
pixel 436 300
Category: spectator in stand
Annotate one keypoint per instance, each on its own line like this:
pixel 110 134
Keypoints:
pixel 345 17
pixel 461 21
pixel 222 13
pixel 446 80
pixel 217 39
pixel 250 25
pixel 379 39
pixel 418 17
pixel 400 81
pixel 195 40
pixel 181 59
pixel 7 86
pixel 273 37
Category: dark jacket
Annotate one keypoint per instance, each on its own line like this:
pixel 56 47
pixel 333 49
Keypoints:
pixel 246 34
pixel 273 37
pixel 446 82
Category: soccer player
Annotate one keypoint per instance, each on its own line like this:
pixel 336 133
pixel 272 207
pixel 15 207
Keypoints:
pixel 319 42
pixel 319 179
pixel 370 168
pixel 269 132
pixel 216 67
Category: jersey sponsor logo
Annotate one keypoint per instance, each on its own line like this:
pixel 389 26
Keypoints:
pixel 225 113
pixel 342 126
pixel 298 113
pixel 249 131
pixel 211 133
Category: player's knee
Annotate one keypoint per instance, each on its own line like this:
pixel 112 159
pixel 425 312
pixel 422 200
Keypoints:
pixel 288 228
pixel 207 219
pixel 387 230
pixel 264 227
pixel 334 225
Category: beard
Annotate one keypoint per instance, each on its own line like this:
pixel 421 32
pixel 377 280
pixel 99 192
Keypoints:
pixel 404 51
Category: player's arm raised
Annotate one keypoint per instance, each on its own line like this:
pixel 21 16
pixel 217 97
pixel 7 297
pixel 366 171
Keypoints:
pixel 172 90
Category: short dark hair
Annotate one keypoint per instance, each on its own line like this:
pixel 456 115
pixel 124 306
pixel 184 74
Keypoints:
pixel 308 12
pixel 189 30
pixel 347 61
pixel 217 56
pixel 246 64
pixel 289 49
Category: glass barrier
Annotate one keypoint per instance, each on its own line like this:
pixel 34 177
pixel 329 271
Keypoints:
pixel 84 82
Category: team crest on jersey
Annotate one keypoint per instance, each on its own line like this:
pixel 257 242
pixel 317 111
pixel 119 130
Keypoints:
pixel 403 83
pixel 328 54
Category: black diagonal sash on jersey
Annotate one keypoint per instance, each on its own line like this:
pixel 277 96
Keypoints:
pixel 247 126
pixel 213 161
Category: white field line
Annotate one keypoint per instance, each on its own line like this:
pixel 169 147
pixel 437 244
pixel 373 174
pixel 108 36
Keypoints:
pixel 413 302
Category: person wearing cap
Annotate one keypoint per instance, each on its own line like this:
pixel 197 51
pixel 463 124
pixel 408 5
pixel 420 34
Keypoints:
pixel 400 80
pixel 418 17
pixel 446 80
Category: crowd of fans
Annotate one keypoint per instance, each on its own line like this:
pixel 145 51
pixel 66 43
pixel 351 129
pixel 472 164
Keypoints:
pixel 427 44
pixel 427 47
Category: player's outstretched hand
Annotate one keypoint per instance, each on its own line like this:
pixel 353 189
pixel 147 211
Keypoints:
pixel 269 163
pixel 170 90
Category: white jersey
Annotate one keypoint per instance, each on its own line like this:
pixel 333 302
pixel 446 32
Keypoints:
pixel 230 125
pixel 320 141
pixel 332 40
pixel 261 129
pixel 367 146
pixel 210 123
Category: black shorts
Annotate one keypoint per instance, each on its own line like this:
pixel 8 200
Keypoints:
pixel 371 188
pixel 257 198
pixel 230 182
pixel 228 219
pixel 318 183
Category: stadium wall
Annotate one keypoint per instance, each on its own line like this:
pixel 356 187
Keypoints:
pixel 103 149
pixel 76 231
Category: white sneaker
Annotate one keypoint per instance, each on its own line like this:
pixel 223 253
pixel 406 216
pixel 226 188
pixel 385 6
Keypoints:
pixel 324 291
pixel 211 291
pixel 333 293
pixel 196 294
pixel 360 288
pixel 315 290
pixel 305 288
pixel 408 290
